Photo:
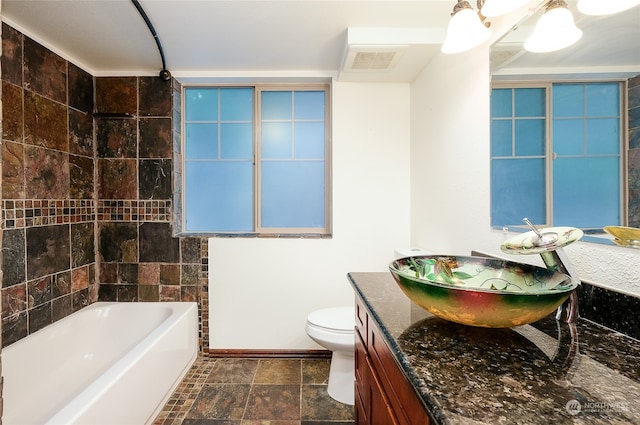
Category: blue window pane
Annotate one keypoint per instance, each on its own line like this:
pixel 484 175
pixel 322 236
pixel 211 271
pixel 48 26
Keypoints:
pixel 236 141
pixel 236 104
pixel 530 102
pixel 568 100
pixel 293 194
pixel 603 136
pixel 603 100
pixel 219 196
pixel 309 140
pixel 586 192
pixel 201 104
pixel 530 137
pixel 277 105
pixel 201 141
pixel 309 105
pixel 517 191
pixel 277 140
pixel 501 103
pixel 568 137
pixel 501 138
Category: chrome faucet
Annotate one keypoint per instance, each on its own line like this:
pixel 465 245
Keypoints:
pixel 555 259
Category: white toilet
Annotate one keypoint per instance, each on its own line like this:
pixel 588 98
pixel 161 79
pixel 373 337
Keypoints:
pixel 334 329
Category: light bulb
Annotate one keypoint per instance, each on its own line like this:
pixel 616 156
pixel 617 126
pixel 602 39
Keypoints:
pixel 464 32
pixel 554 30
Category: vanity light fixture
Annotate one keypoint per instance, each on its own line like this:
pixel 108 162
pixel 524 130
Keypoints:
pixel 466 28
pixel 609 7
pixel 555 29
pixel 493 8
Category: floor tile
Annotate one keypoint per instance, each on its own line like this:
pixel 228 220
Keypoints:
pixel 220 401
pixel 246 391
pixel 238 371
pixel 317 405
pixel 326 423
pixel 279 371
pixel 274 402
pixel 315 371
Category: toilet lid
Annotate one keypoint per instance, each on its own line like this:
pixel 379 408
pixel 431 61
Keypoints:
pixel 338 318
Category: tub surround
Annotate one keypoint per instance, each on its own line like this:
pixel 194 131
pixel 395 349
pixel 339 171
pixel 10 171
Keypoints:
pixel 87 208
pixel 48 206
pixel 496 376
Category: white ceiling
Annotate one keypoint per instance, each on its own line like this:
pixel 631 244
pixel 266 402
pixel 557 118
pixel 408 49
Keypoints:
pixel 108 37
pixel 256 38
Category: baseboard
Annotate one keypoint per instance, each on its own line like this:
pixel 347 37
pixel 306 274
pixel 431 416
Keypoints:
pixel 301 354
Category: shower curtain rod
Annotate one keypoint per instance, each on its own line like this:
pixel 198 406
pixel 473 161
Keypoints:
pixel 164 74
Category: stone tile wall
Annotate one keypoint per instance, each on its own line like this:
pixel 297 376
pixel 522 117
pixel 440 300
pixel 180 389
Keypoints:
pixel 634 152
pixel 87 192
pixel 48 184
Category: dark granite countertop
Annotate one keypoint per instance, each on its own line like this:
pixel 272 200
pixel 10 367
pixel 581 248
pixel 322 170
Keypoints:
pixel 544 373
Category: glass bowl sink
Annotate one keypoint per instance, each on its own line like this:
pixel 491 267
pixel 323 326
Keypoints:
pixel 480 291
pixel 624 236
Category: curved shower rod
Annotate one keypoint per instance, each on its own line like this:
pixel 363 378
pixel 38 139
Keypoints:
pixel 164 74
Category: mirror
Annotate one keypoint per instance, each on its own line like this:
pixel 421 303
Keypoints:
pixel 608 50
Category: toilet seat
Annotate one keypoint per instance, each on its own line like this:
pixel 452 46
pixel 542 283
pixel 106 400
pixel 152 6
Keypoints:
pixel 334 319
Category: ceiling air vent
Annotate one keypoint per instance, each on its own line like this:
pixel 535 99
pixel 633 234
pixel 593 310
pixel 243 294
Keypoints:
pixel 372 58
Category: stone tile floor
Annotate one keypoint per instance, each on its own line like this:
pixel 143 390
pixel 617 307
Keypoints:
pixel 247 391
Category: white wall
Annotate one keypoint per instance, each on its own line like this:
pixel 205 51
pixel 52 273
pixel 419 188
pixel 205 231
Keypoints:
pixel 450 180
pixel 261 290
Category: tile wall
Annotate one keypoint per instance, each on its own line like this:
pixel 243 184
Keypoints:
pixel 634 152
pixel 87 197
pixel 48 185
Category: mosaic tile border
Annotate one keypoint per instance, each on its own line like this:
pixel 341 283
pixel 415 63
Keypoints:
pixel 183 397
pixel 134 210
pixel 21 213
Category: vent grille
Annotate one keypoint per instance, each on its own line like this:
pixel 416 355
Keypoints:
pixel 372 58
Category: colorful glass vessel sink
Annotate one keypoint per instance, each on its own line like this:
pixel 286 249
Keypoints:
pixel 480 291
pixel 624 236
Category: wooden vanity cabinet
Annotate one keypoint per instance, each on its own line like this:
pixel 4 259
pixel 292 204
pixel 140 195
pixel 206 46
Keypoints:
pixel 383 396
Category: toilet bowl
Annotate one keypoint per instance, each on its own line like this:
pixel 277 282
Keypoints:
pixel 334 329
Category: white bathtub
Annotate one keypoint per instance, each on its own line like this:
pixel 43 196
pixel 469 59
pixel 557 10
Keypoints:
pixel 109 363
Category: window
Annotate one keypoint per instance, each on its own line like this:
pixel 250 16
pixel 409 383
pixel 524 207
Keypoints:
pixel 256 160
pixel 556 155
